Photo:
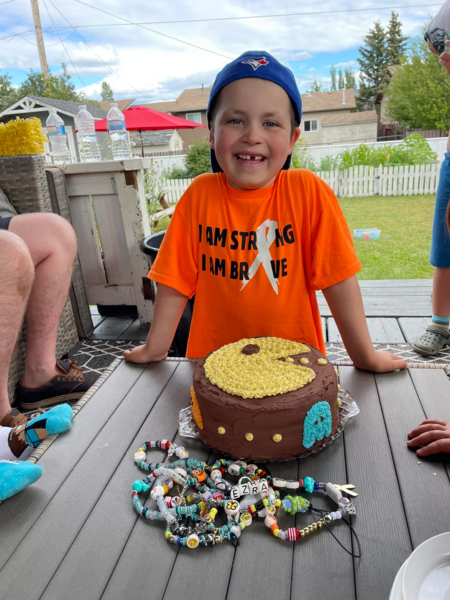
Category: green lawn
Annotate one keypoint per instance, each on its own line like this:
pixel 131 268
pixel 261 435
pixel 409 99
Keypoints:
pixel 406 221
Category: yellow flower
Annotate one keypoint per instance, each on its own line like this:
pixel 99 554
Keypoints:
pixel 21 136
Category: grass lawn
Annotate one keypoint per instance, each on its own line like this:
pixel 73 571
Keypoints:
pixel 405 220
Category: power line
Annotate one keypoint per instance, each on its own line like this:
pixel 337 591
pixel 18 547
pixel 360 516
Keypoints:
pixel 273 16
pixel 170 37
pixel 7 2
pixel 93 51
pixel 10 65
pixel 64 46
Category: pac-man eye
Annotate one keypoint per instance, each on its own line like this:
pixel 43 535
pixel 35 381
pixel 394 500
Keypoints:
pixel 322 418
pixel 316 422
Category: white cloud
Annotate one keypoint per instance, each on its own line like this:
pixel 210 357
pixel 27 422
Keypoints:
pixel 159 67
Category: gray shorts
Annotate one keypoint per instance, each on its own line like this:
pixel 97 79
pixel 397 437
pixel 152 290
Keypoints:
pixel 7 211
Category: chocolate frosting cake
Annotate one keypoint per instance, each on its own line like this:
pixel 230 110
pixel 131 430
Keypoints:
pixel 265 399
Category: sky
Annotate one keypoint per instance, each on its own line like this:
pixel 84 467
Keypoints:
pixel 157 61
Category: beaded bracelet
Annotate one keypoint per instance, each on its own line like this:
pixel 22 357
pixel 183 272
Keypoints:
pixel 214 492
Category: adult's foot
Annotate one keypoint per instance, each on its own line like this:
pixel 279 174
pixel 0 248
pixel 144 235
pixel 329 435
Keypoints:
pixel 70 383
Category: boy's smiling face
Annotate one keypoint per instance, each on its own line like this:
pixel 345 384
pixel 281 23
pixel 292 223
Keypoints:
pixel 252 132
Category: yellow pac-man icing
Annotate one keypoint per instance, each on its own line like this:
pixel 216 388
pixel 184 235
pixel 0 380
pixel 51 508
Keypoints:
pixel 259 373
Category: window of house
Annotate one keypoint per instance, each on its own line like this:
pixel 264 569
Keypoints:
pixel 196 117
pixel 312 125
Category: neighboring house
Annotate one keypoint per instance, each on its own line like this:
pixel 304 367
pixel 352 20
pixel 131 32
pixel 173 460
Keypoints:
pixel 156 142
pixel 32 106
pixel 121 104
pixel 328 118
pixel 190 105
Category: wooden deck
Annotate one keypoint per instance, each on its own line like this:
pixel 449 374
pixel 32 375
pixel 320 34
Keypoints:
pixel 74 534
pixel 396 311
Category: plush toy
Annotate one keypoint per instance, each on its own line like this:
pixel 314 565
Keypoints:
pixel 17 443
pixel 439 30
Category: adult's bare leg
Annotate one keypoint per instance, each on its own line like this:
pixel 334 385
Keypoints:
pixel 16 280
pixel 52 245
pixel 441 292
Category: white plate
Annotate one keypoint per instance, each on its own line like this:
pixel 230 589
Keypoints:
pixel 427 573
pixel 396 591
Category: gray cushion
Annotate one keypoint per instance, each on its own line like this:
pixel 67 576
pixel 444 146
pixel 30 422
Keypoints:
pixel 6 208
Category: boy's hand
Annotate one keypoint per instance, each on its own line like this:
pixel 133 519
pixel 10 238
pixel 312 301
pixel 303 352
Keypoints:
pixel 383 362
pixel 143 354
pixel 444 58
pixel 433 434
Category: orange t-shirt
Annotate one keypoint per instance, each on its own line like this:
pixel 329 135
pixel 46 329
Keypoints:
pixel 255 258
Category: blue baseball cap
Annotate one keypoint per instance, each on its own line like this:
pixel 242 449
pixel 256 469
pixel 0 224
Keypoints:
pixel 263 66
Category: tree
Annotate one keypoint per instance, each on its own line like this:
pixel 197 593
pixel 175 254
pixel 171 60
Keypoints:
pixel 333 78
pixel 316 86
pixel 8 94
pixel 341 80
pixel 373 62
pixel 197 158
pixel 419 90
pixel 350 79
pixel 106 93
pixel 396 43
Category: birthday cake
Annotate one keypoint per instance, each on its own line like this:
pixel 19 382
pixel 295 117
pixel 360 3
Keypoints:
pixel 265 399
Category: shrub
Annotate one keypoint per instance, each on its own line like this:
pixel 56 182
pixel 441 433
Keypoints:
pixel 177 173
pixel 197 158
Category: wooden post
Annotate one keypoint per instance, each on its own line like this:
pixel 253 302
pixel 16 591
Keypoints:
pixel 39 39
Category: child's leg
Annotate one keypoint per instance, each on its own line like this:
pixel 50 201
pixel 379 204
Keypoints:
pixel 19 442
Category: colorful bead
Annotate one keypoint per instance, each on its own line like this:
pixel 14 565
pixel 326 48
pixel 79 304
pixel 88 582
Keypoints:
pixel 308 484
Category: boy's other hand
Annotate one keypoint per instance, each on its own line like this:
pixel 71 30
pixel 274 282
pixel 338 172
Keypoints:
pixel 383 362
pixel 433 434
pixel 444 58
pixel 143 354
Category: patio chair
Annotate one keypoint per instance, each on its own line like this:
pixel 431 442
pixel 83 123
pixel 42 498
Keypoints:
pixel 24 181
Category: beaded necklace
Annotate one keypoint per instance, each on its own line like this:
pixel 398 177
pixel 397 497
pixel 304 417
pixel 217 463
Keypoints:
pixel 257 494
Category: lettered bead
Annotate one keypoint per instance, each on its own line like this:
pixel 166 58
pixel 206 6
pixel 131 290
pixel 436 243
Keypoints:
pixel 277 482
pixel 235 492
pixel 140 455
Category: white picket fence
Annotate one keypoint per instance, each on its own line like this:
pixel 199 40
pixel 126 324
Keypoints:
pixel 383 181
pixel 358 181
pixel 175 189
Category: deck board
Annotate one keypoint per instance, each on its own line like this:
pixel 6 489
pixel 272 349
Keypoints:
pixel 74 501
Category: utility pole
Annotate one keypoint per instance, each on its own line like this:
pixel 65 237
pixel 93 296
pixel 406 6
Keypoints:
pixel 39 39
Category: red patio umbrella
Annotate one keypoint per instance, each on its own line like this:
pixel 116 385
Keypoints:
pixel 140 118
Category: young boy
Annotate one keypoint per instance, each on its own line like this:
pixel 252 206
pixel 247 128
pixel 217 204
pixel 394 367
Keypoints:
pixel 255 240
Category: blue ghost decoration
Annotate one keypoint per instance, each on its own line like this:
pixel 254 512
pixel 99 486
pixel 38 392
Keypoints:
pixel 317 424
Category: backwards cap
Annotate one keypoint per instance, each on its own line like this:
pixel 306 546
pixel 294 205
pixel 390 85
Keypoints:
pixel 263 66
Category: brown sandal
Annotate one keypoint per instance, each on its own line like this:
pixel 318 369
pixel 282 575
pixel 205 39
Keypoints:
pixel 13 419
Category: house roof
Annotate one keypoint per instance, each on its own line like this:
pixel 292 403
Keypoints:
pixel 71 107
pixel 121 104
pixel 189 100
pixel 347 118
pixel 161 106
pixel 152 138
pixel 322 101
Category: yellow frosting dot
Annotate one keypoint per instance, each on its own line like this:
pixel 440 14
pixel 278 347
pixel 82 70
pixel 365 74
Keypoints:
pixel 277 437
pixel 339 402
pixel 304 361
pixel 249 437
pixel 221 430
pixel 322 361
pixel 336 371
pixel 339 388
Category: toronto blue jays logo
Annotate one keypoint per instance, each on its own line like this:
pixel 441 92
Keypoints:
pixel 256 62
